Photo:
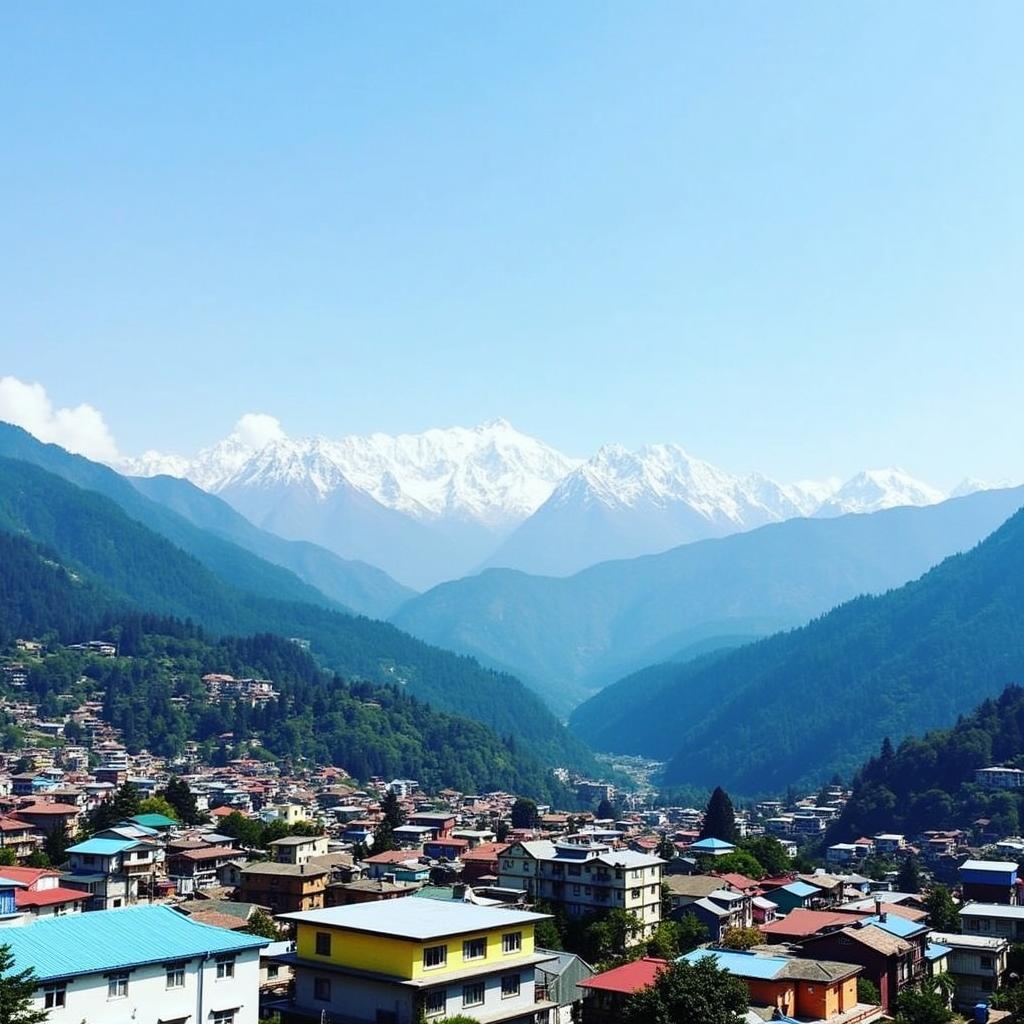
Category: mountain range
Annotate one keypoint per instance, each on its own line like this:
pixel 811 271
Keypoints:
pixel 568 637
pixel 443 504
pixel 800 705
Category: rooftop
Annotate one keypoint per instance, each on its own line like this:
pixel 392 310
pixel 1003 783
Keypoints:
pixel 417 920
pixel 110 940
pixel 1000 866
pixel 628 978
pixel 992 910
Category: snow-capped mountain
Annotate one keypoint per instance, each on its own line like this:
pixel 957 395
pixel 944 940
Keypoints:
pixel 433 506
pixel 875 489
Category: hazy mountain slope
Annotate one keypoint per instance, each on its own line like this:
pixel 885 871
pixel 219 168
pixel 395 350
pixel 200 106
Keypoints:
pixel 93 532
pixel 800 705
pixel 355 585
pixel 568 637
pixel 230 562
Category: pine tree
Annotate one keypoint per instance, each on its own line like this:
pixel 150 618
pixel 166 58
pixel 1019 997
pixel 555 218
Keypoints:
pixel 909 877
pixel 392 809
pixel 719 818
pixel 181 798
pixel 17 990
pixel 604 809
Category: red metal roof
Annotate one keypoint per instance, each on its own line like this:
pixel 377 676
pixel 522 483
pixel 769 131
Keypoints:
pixel 47 897
pixel 628 978
pixel 801 922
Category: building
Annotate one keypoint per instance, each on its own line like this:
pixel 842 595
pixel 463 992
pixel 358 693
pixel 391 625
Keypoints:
pixel 43 895
pixel 109 870
pixel 406 960
pixel 999 920
pixel 194 870
pixel 794 986
pixel 989 881
pixel 298 849
pixel 147 965
pixel 606 993
pixel 284 888
pixel 999 778
pixel 586 877
pixel 977 964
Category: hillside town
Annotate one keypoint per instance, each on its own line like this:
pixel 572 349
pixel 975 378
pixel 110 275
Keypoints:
pixel 141 888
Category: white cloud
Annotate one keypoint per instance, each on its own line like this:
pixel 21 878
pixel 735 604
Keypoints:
pixel 256 429
pixel 79 429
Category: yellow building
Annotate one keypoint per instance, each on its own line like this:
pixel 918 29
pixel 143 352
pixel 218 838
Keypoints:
pixel 396 961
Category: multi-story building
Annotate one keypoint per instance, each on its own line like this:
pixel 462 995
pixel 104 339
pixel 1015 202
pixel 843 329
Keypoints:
pixel 977 964
pixel 284 888
pixel 147 965
pixel 586 877
pixel 402 961
pixel 989 881
pixel 298 849
pixel 109 870
pixel 999 920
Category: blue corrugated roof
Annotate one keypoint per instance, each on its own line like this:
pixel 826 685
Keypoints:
pixel 936 950
pixel 712 844
pixel 743 965
pixel 110 940
pixel 103 847
pixel 896 925
pixel 799 888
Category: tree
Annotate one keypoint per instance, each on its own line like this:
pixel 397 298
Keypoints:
pixel 182 799
pixel 908 879
pixel 127 801
pixel 688 993
pixel 867 992
pixel 666 849
pixel 604 809
pixel 719 818
pixel 943 915
pixel 262 924
pixel 17 991
pixel 7 857
pixel 56 844
pixel 158 805
pixel 524 814
pixel 501 831
pixel 921 1006
pixel 739 861
pixel 384 838
pixel 392 809
pixel 741 938
pixel 769 853
pixel 248 831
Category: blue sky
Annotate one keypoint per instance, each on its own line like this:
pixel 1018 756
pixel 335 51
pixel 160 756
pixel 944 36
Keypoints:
pixel 787 236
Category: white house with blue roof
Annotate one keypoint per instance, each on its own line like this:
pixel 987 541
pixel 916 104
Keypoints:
pixel 140 965
pixel 109 870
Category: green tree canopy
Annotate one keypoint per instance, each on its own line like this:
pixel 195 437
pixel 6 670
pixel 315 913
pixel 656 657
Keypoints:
pixel 943 913
pixel 719 818
pixel 17 989
pixel 685 993
pixel 524 814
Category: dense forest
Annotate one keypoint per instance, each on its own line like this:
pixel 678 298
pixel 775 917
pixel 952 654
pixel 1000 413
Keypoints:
pixel 797 707
pixel 98 539
pixel 928 782
pixel 153 692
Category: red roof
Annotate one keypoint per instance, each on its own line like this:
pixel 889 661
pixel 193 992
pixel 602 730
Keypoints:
pixel 47 809
pixel 738 881
pixel 47 897
pixel 209 853
pixel 801 922
pixel 222 812
pixel 393 857
pixel 485 852
pixel 628 978
pixel 30 876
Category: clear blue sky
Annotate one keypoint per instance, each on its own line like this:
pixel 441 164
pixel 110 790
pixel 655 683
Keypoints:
pixel 788 236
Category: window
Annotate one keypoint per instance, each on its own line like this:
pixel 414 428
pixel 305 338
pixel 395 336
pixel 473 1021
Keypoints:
pixel 323 943
pixel 55 996
pixel 511 942
pixel 272 971
pixel 509 986
pixel 636 894
pixel 574 869
pixel 506 863
pixel 436 1001
pixel 474 949
pixel 175 975
pixel 223 1017
pixel 322 989
pixel 972 924
pixel 117 985
pixel 225 968
pixel 435 956
pixel 575 890
pixel 473 995
pixel 986 961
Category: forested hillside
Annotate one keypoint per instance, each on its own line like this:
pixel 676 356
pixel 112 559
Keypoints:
pixel 928 781
pixel 365 728
pixel 799 706
pixel 147 571
pixel 568 637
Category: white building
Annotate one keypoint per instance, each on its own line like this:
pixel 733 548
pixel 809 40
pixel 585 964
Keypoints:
pixel 146 965
pixel 999 778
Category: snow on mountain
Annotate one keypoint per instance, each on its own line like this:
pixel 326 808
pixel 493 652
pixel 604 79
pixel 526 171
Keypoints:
pixel 971 485
pixel 875 489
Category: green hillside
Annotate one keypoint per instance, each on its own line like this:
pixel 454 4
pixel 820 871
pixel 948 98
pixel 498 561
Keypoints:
pixel 928 782
pixel 357 586
pixel 147 571
pixel 569 637
pixel 798 706
pixel 367 729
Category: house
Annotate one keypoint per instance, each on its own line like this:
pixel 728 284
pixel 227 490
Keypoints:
pixel 403 961
pixel 793 895
pixel 1001 920
pixel 18 836
pixel 977 964
pixel 558 981
pixel 711 847
pixel 298 849
pixel 445 849
pixel 586 877
pixel 412 837
pixel 886 960
pixel 283 888
pixel 43 895
pixel 481 862
pixel 440 825
pixel 48 817
pixel 989 881
pixel 889 844
pixel 109 870
pixel 999 778
pixel 720 910
pixel 157 822
pixel 146 965
pixel 800 924
pixel 845 854
pixel 764 910
pixel 196 869
pixel 398 866
pixel 606 993
pixel 794 986
pixel 366 890
pixel 10 915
